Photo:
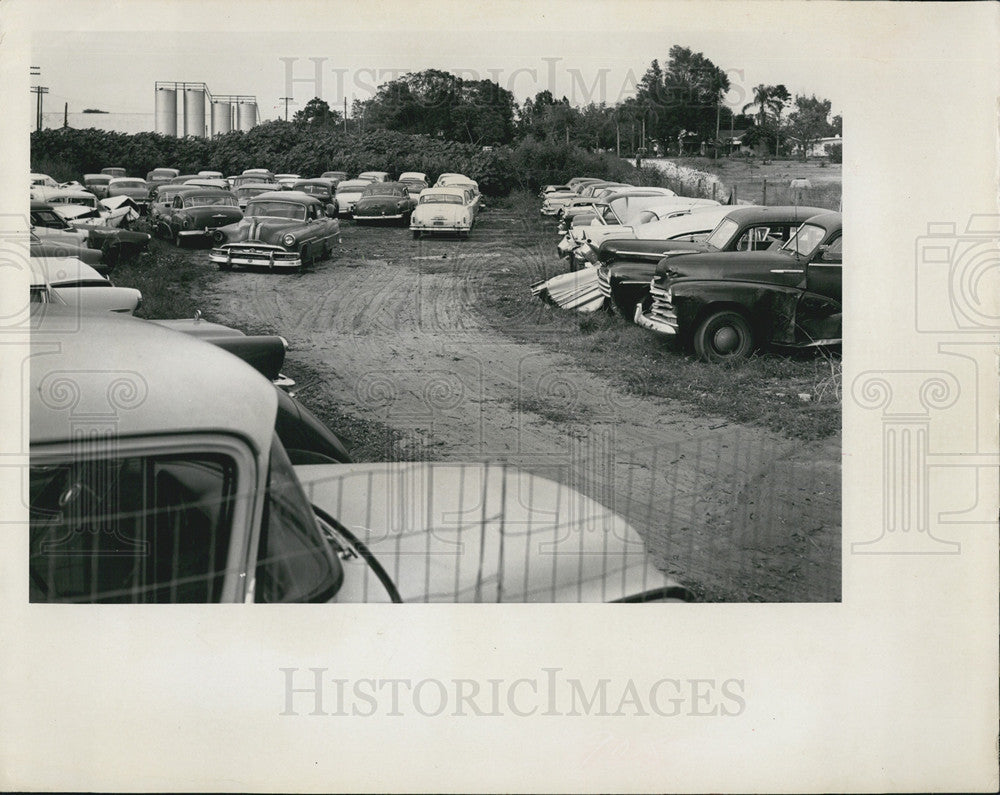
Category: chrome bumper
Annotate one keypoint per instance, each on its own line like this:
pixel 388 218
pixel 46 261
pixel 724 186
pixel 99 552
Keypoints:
pixel 378 217
pixel 255 256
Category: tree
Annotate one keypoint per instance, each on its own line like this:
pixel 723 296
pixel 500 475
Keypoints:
pixel 769 101
pixel 317 113
pixel 809 121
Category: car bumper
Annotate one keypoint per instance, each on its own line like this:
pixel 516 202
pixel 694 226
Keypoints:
pixel 364 217
pixel 194 232
pixel 255 257
pixel 452 228
pixel 652 322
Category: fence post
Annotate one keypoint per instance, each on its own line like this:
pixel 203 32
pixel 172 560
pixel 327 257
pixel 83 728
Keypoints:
pixel 763 198
pixel 715 190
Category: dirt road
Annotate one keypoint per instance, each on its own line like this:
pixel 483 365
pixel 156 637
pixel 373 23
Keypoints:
pixel 390 324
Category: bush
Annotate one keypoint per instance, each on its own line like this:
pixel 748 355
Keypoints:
pixel 835 152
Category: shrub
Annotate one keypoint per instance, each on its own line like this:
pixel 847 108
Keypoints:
pixel 835 152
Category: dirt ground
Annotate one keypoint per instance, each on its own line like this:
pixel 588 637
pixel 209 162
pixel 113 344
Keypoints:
pixel 389 331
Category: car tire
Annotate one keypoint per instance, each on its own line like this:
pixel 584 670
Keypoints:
pixel 724 336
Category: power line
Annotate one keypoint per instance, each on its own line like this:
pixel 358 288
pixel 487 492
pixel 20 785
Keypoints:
pixel 286 100
pixel 39 91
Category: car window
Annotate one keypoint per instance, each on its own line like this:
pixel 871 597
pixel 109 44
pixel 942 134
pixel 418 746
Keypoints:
pixel 441 198
pixel 297 563
pixel 805 240
pixel 135 529
pixel 276 209
pixel 833 251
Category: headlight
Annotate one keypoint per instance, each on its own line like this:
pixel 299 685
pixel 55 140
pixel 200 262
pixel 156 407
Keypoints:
pixel 186 222
pixel 288 240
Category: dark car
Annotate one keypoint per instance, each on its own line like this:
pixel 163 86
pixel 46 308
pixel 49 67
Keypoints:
pixel 160 176
pixel 322 188
pixel 281 230
pixel 385 201
pixel 196 212
pixel 415 187
pixel 627 266
pixel 253 179
pixel 729 303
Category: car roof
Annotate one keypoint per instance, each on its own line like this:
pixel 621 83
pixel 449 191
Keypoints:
pixel 126 179
pixel 159 382
pixel 265 185
pixel 830 220
pixel 201 191
pixel 394 184
pixel 453 190
pixel 757 213
pixel 313 181
pixel 64 269
pixel 354 183
pixel 293 196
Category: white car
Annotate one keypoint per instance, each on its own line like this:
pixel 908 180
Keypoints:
pixel 348 192
pixel 43 186
pixel 210 174
pixel 72 283
pixel 287 181
pixel 188 495
pixel 444 210
pixel 415 176
pixel 374 176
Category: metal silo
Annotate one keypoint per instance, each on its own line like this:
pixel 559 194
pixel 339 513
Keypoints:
pixel 194 112
pixel 166 111
pixel 221 118
pixel 246 115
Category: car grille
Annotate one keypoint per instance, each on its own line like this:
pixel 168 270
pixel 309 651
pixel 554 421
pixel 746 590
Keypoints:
pixel 604 282
pixel 661 309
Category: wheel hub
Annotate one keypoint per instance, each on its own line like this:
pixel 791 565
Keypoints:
pixel 726 339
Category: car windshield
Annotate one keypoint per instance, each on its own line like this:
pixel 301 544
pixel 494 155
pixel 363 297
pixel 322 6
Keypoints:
pixel 247 193
pixel 276 209
pixel 723 233
pixel 48 219
pixel 209 201
pixel 441 198
pixel 297 563
pixel 805 240
pixel 132 183
pixel 383 190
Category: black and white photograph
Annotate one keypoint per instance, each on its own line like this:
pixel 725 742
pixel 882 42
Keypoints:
pixel 336 310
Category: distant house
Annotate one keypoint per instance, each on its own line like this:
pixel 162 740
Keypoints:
pixel 817 148
pixel 732 142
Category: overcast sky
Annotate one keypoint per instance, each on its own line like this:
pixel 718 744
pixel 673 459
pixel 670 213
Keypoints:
pixel 116 72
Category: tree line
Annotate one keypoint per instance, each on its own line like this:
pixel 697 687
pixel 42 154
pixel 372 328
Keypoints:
pixel 678 109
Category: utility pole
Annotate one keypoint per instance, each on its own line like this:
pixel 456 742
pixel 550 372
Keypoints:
pixel 345 115
pixel 286 100
pixel 39 91
pixel 65 114
pixel 618 139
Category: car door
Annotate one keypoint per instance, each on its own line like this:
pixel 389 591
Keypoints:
pixel 818 313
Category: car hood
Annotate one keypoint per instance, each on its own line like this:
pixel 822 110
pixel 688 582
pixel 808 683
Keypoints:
pixel 448 532
pixel 263 229
pixel 768 267
pixel 101 299
pixel 618 249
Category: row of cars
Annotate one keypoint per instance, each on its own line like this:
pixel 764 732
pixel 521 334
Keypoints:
pixel 724 280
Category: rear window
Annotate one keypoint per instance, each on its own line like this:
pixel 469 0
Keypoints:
pixel 441 198
pixel 136 529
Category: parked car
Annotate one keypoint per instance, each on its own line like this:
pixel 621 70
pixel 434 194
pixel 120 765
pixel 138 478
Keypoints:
pixel 196 213
pixel 211 174
pixel 384 201
pixel 180 179
pixel 448 209
pixel 42 186
pixel 160 176
pixel 247 190
pixel 339 176
pixel 323 189
pixel 97 184
pixel 286 181
pixel 114 172
pixel 348 193
pixel 45 246
pixel 281 229
pixel 374 176
pixel 414 176
pixel 136 189
pixel 253 179
pixel 627 266
pixel 186 499
pixel 447 179
pixel 729 303
pixel 414 187
pixel 82 208
pixel 208 182
pixel 70 282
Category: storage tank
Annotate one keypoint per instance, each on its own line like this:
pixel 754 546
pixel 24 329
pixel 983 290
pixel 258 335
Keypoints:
pixel 166 111
pixel 246 117
pixel 194 112
pixel 222 121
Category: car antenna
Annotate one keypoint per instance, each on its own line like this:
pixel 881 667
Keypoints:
pixel 197 316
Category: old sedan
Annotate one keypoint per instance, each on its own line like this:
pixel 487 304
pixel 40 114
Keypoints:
pixel 348 193
pixel 184 499
pixel 161 176
pixel 336 176
pixel 443 210
pixel 97 184
pixel 627 266
pixel 374 176
pixel 281 230
pixel 195 213
pixel 384 201
pixel 114 172
pixel 727 304
pixel 133 187
pixel 323 189
pixel 69 281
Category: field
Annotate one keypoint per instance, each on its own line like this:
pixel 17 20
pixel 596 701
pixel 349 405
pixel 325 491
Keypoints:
pixel 436 350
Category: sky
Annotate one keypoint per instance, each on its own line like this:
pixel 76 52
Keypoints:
pixel 98 70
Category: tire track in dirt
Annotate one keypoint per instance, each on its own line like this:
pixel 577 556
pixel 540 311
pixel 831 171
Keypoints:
pixel 398 339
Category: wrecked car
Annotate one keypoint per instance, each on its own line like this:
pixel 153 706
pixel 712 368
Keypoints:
pixel 280 230
pixel 726 304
